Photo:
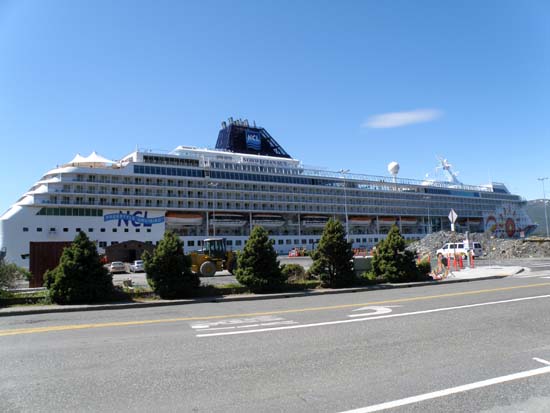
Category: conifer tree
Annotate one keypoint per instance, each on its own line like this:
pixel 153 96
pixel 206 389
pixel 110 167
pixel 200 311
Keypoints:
pixel 332 260
pixel 392 262
pixel 169 270
pixel 80 277
pixel 258 268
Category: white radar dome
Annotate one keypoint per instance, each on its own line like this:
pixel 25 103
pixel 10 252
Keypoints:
pixel 393 168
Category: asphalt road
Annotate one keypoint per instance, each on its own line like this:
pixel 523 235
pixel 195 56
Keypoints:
pixel 477 346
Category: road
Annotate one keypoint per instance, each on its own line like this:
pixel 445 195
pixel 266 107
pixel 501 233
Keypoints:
pixel 477 346
pixel 221 278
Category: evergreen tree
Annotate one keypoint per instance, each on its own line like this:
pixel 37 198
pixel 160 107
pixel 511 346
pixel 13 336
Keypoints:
pixel 332 260
pixel 169 270
pixel 392 262
pixel 80 277
pixel 258 268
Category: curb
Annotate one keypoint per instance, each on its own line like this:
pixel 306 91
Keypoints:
pixel 230 298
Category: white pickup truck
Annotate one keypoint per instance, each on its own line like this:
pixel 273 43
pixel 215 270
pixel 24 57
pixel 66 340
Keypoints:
pixel 461 248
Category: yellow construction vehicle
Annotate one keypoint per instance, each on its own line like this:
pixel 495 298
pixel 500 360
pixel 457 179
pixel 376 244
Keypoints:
pixel 213 257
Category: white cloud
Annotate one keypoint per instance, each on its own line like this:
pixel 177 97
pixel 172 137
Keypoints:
pixel 397 119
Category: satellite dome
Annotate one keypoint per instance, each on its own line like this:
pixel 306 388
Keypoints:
pixel 393 168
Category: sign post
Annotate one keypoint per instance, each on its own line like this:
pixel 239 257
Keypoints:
pixel 452 217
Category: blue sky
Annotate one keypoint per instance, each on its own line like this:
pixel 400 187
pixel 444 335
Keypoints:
pixel 340 84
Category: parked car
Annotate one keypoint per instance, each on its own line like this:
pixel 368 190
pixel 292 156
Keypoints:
pixel 461 248
pixel 137 266
pixel 117 267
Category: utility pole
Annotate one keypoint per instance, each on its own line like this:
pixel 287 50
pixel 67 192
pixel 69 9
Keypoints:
pixel 544 201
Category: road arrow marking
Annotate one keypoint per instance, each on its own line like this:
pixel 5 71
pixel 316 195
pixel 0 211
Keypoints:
pixel 370 318
pixel 374 310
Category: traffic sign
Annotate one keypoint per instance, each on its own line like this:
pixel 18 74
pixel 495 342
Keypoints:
pixel 452 216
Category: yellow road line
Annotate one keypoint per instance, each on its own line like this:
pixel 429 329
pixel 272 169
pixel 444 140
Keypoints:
pixel 33 330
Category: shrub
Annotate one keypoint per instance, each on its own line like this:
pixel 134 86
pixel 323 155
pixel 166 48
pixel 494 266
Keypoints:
pixel 80 277
pixel 169 270
pixel 258 268
pixel 370 278
pixel 293 272
pixel 332 260
pixel 10 273
pixel 424 268
pixel 391 262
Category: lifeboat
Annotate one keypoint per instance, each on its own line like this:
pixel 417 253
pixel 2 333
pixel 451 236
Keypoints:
pixel 268 220
pixel 314 221
pixel 360 220
pixel 183 218
pixel 388 220
pixel 395 220
pixel 409 221
pixel 224 219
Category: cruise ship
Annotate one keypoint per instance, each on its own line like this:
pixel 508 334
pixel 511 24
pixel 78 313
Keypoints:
pixel 247 180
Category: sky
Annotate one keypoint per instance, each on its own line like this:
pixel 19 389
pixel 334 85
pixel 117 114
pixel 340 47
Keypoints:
pixel 339 84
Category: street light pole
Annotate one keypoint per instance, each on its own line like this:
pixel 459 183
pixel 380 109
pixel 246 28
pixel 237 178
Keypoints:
pixel 344 172
pixel 544 201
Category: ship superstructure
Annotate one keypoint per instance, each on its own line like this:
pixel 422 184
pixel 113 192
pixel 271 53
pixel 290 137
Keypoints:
pixel 247 180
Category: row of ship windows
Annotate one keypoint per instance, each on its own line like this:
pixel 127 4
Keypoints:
pixel 497 194
pixel 76 212
pixel 374 206
pixel 238 242
pixel 192 196
pixel 163 160
pixel 53 229
pixel 388 192
pixel 219 188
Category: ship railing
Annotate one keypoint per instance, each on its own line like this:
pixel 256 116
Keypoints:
pixel 390 181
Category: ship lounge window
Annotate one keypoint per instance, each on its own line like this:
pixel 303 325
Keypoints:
pixel 114 229
pixel 90 230
pixel 65 229
pixel 25 229
pixel 238 242
pixel 137 230
pixel 125 229
pixel 102 230
pixel 102 244
pixel 280 242
pixel 148 229
pixel 78 229
pixel 38 229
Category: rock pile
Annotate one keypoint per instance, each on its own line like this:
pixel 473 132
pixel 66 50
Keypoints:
pixel 533 247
